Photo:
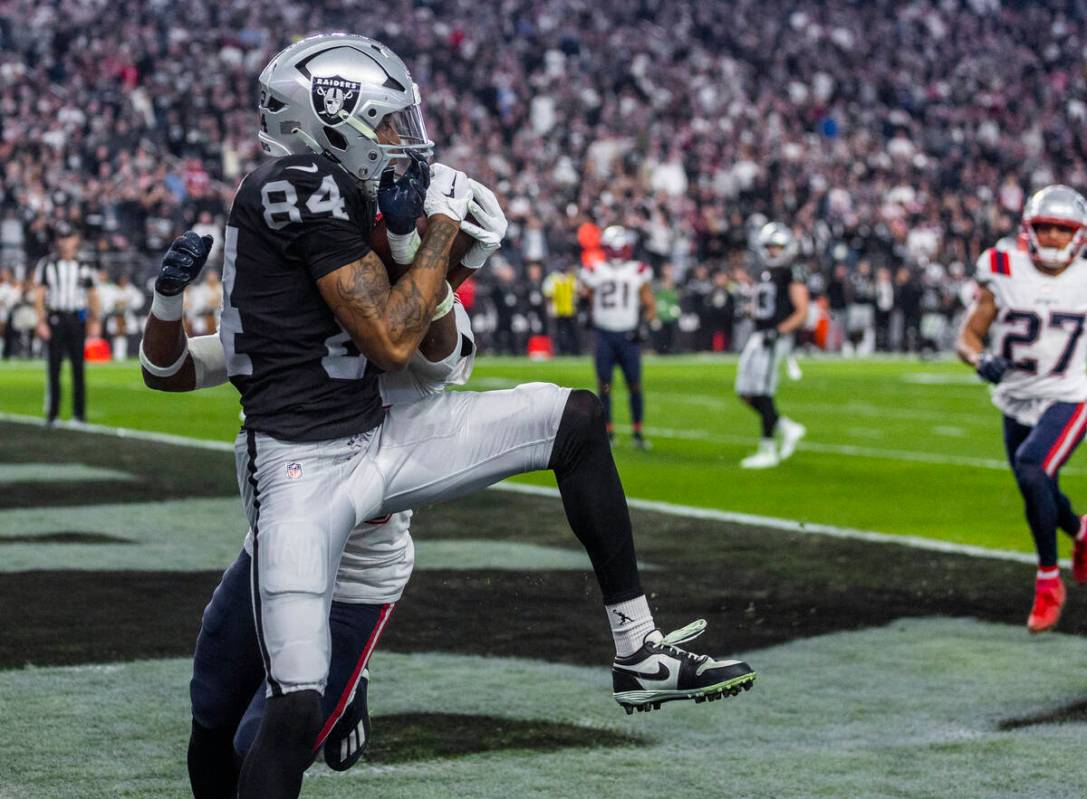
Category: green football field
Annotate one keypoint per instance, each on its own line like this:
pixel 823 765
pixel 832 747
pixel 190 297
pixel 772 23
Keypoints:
pixel 895 446
pixel 886 669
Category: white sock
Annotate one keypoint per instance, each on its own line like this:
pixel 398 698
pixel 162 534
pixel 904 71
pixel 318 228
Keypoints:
pixel 1050 573
pixel 630 623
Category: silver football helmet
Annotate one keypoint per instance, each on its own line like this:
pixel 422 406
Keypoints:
pixel 347 96
pixel 775 234
pixel 617 242
pixel 1056 205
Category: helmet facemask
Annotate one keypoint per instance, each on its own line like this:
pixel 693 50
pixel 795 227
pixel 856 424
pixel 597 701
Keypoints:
pixel 779 237
pixel 1058 206
pixel 347 97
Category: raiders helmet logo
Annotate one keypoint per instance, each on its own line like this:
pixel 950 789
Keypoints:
pixel 332 96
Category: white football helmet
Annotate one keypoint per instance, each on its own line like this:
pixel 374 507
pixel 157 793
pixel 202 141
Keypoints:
pixel 775 234
pixel 617 242
pixel 1056 205
pixel 339 93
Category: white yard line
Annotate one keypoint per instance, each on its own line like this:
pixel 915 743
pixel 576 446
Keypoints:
pixel 792 526
pixel 849 450
pixel 685 511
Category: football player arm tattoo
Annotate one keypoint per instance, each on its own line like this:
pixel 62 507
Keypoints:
pixel 387 323
pixel 971 341
pixel 798 295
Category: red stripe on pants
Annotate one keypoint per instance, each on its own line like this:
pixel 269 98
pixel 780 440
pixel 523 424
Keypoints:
pixel 364 658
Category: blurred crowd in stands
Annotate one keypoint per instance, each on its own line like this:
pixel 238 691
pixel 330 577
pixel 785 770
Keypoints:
pixel 897 138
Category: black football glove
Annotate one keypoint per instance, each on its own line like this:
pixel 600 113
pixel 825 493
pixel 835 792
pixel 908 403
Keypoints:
pixel 401 200
pixel 992 367
pixel 182 263
pixel 769 337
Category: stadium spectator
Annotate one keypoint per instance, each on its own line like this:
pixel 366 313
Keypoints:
pixel 904 133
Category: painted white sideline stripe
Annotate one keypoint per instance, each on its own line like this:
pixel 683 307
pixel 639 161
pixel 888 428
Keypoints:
pixel 686 511
pixel 792 526
pixel 57 473
pixel 124 432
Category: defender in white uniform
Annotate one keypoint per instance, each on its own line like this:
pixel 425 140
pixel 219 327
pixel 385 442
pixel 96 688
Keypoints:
pixel 1032 306
pixel 621 291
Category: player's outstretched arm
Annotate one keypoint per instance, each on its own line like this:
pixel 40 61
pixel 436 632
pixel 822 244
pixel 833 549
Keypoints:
pixel 387 323
pixel 169 360
pixel 970 344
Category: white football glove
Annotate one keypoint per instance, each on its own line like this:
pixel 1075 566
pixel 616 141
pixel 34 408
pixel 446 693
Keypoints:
pixel 490 230
pixel 448 194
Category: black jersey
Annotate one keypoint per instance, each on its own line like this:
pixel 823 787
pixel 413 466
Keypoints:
pixel 294 220
pixel 772 301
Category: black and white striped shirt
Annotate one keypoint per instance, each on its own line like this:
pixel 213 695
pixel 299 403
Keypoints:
pixel 65 282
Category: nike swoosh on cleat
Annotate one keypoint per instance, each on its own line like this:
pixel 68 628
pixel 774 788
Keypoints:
pixel 715 664
pixel 662 673
pixel 310 168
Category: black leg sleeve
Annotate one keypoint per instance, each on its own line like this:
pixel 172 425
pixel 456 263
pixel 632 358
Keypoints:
pixel 212 768
pixel 593 497
pixel 283 749
pixel 768 412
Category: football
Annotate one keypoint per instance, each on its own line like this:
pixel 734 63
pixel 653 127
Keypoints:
pixel 379 240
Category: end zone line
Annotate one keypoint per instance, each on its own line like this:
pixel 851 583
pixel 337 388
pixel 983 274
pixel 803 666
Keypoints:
pixel 685 511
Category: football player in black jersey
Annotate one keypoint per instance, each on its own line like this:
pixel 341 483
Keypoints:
pixel 315 459
pixel 779 308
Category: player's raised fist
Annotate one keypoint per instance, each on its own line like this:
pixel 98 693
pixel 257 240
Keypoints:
pixel 992 367
pixel 401 200
pixel 449 193
pixel 182 263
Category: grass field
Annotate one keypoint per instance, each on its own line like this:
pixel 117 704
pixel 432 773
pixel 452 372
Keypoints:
pixel 895 446
pixel 885 670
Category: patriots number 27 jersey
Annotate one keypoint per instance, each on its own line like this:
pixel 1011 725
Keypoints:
pixel 301 378
pixel 1039 327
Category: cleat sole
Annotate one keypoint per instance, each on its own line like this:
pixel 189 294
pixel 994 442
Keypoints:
pixel 644 701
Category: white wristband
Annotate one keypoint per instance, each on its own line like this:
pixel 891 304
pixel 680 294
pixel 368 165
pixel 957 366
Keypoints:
pixel 164 371
pixel 208 360
pixel 168 309
pixel 403 246
pixel 446 305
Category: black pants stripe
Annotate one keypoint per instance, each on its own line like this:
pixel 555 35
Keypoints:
pixel 68 333
pixel 251 441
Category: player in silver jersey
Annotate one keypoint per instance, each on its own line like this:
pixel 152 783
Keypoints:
pixel 307 305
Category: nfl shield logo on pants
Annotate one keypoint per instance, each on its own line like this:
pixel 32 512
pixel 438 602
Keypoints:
pixel 294 471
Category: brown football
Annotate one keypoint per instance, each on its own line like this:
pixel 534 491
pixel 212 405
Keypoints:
pixel 379 240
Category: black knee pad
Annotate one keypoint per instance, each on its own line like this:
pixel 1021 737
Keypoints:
pixel 582 423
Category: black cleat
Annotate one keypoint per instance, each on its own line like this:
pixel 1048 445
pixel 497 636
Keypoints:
pixel 347 741
pixel 662 672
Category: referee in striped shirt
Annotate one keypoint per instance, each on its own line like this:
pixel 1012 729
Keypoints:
pixel 67 306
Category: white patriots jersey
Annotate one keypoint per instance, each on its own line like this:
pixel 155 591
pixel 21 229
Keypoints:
pixel 616 289
pixel 1038 327
pixel 379 556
